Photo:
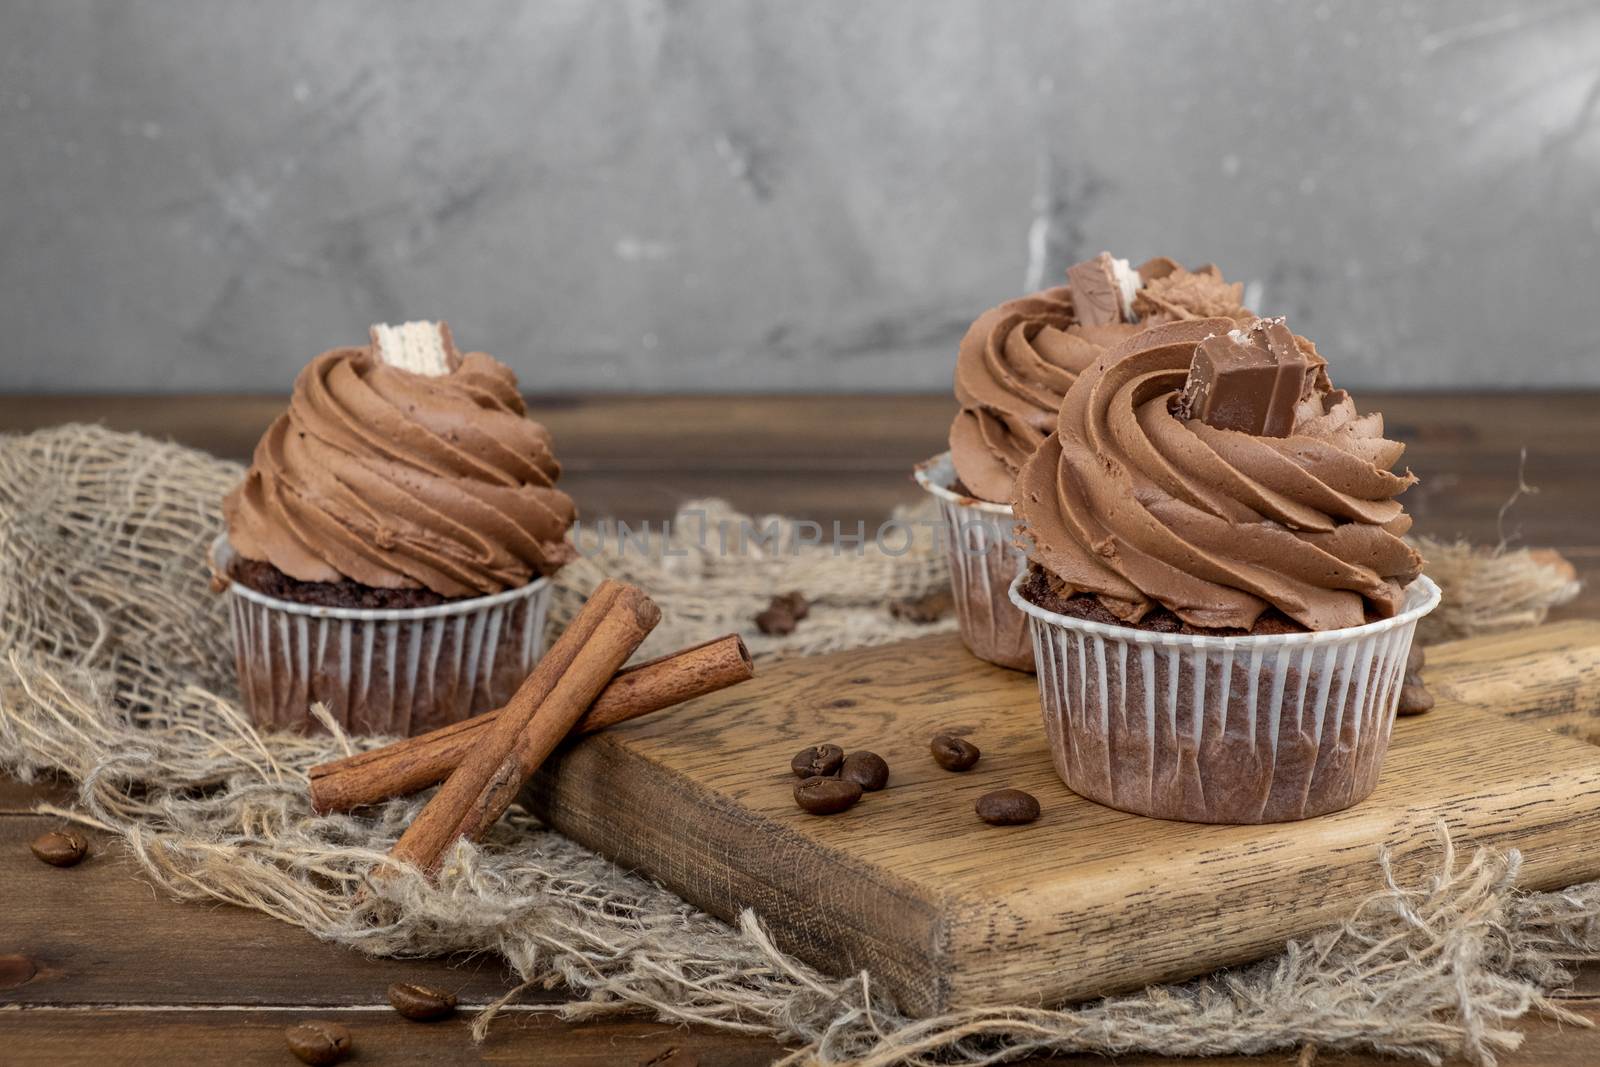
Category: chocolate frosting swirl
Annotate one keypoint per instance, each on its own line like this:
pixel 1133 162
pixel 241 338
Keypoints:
pixel 1017 361
pixel 401 480
pixel 1130 503
pixel 1014 366
pixel 1172 293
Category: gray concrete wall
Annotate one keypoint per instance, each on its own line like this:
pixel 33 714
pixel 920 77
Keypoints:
pixel 698 195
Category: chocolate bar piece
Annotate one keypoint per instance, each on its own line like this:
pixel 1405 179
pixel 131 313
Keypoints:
pixel 1096 291
pixel 1247 380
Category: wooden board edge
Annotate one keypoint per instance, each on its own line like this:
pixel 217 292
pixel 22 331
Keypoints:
pixel 1547 675
pixel 1568 632
pixel 585 795
pixel 1543 827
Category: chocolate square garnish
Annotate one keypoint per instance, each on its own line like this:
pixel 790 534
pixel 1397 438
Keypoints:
pixel 1096 294
pixel 1247 380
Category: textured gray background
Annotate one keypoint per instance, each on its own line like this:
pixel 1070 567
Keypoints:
pixel 693 195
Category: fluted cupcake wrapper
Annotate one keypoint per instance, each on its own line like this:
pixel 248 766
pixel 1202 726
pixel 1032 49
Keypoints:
pixel 1251 729
pixel 980 540
pixel 393 671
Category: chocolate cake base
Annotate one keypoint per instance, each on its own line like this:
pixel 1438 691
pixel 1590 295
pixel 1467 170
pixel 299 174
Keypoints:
pixel 396 676
pixel 1267 732
pixel 263 577
pixel 1045 590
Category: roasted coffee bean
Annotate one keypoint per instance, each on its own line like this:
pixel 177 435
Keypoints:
pixel 421 1003
pixel 776 621
pixel 866 769
pixel 1007 807
pixel 818 761
pixel 60 848
pixel 826 796
pixel 783 613
pixel 925 609
pixel 318 1043
pixel 953 753
pixel 1414 698
pixel 796 602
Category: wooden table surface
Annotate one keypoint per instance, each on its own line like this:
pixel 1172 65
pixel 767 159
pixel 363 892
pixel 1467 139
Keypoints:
pixel 105 970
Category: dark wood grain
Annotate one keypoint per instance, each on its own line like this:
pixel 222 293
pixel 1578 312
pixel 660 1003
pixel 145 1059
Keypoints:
pixel 849 457
pixel 162 1037
pixel 159 1037
pixel 98 934
pixel 817 457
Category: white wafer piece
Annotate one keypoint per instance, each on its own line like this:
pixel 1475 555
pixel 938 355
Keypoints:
pixel 1128 284
pixel 419 347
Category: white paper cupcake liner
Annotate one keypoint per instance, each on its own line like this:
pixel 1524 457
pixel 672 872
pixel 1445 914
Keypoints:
pixel 1251 729
pixel 983 561
pixel 394 671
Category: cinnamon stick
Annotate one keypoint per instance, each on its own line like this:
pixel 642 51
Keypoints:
pixel 546 706
pixel 416 763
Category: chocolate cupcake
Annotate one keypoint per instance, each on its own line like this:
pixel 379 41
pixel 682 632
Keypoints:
pixel 389 548
pixel 1014 366
pixel 1221 600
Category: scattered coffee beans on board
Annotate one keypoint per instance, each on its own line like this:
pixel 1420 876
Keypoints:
pixel 420 1002
pixel 866 769
pixel 319 1043
pixel 1007 807
pixel 953 753
pixel 826 796
pixel 60 848
pixel 818 761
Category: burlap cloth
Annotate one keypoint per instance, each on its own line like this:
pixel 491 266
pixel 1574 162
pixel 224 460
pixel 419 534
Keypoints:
pixel 116 674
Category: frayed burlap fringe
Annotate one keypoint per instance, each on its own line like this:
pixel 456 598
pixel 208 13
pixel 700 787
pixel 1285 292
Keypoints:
pixel 1492 589
pixel 115 673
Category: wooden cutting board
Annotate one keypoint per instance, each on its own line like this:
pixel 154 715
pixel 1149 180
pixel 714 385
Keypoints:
pixel 945 911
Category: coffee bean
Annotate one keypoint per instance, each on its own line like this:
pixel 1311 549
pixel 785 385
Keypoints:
pixel 776 621
pixel 826 796
pixel 795 602
pixel 1007 807
pixel 60 848
pixel 1414 698
pixel 420 1002
pixel 953 753
pixel 16 970
pixel 818 761
pixel 783 613
pixel 318 1043
pixel 923 610
pixel 866 769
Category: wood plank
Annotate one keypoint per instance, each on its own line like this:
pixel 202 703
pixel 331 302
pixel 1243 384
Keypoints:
pixel 946 912
pixel 156 1037
pixel 836 425
pixel 161 1038
pixel 97 934
pixel 1543 675
pixel 19 799
pixel 638 457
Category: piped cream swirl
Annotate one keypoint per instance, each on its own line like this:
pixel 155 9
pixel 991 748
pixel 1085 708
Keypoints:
pixel 1017 361
pixel 400 480
pixel 1130 503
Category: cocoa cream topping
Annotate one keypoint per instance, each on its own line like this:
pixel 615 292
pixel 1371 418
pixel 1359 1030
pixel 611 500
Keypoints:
pixel 1172 294
pixel 401 480
pixel 1017 360
pixel 1140 507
